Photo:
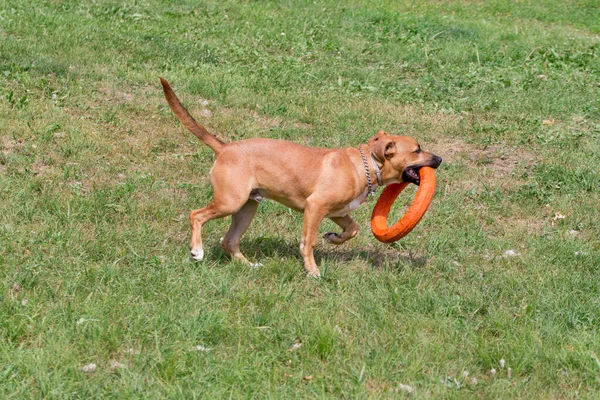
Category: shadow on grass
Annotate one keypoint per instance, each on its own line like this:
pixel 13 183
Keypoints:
pixel 259 248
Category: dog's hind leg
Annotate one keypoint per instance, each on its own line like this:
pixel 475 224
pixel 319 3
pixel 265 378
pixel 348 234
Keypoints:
pixel 216 209
pixel 240 221
pixel 230 193
pixel 350 229
pixel 197 219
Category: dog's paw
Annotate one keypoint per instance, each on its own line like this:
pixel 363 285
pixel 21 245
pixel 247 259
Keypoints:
pixel 333 238
pixel 313 274
pixel 197 255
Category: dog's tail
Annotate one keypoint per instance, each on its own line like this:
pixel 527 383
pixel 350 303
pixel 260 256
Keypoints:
pixel 184 116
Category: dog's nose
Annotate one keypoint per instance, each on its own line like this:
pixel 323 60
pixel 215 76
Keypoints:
pixel 437 160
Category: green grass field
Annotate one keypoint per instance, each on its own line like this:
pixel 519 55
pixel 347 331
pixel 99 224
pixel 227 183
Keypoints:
pixel 97 178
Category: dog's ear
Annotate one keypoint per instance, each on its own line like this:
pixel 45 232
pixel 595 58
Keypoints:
pixel 384 148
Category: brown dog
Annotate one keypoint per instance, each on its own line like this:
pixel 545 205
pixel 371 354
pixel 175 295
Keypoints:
pixel 321 183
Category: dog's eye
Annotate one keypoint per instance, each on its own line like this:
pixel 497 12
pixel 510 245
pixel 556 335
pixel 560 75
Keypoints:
pixel 418 150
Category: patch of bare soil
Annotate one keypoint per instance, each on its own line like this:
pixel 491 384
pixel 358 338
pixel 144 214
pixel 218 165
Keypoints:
pixel 8 146
pixel 497 160
pixel 264 121
pixel 376 386
pixel 489 168
pixel 503 160
pixel 41 169
pixel 529 225
pixel 116 96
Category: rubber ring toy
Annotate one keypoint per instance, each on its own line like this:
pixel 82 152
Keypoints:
pixel 413 215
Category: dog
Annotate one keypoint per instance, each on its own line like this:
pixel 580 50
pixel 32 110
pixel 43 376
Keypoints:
pixel 319 182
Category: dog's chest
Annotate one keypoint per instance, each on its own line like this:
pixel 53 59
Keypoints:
pixel 353 205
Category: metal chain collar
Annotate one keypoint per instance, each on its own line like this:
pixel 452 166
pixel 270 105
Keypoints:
pixel 371 190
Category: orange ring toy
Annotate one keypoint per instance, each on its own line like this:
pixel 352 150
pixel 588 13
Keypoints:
pixel 413 215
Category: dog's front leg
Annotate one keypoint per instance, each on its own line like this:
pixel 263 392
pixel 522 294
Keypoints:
pixel 313 215
pixel 350 229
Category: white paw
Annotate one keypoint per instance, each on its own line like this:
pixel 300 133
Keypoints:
pixel 197 255
pixel 316 274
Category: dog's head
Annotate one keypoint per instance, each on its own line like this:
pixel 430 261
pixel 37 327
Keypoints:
pixel 401 157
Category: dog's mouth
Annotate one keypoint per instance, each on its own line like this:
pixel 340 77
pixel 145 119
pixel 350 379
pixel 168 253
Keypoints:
pixel 411 174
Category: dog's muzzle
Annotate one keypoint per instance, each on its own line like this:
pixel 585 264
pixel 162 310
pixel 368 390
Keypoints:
pixel 411 174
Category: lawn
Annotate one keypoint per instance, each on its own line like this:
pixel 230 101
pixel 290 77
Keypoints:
pixel 495 294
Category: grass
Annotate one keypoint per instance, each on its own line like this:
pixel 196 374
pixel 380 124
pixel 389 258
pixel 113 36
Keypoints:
pixel 97 178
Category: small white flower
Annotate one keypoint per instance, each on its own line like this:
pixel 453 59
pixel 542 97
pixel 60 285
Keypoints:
pixel 406 388
pixel 502 362
pixel 558 215
pixel 201 348
pixel 83 320
pixel 474 381
pixel 579 253
pixel 511 253
pixel 572 232
pixel 493 371
pixel 114 364
pixel 465 374
pixel 282 33
pixel 24 302
pixel 89 367
pixel 297 344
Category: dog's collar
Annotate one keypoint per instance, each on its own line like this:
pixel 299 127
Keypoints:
pixel 368 173
pixel 377 170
